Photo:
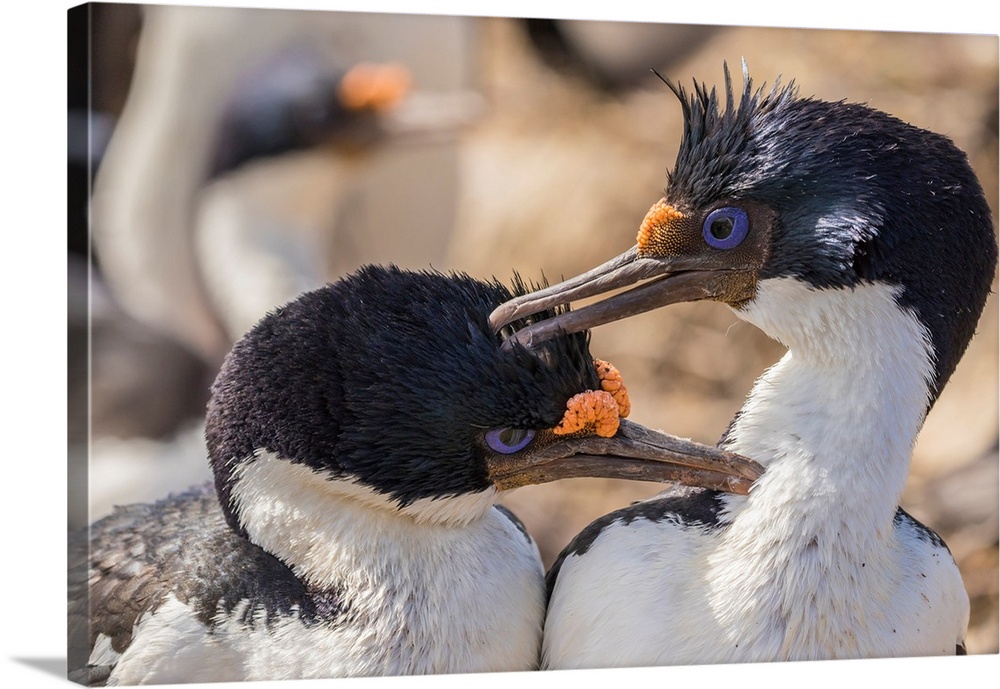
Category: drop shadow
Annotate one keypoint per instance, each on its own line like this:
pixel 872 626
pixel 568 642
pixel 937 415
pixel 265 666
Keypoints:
pixel 50 666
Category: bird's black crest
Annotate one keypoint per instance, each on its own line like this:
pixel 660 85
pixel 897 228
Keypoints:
pixel 388 377
pixel 716 141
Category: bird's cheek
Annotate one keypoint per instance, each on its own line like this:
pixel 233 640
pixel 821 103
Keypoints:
pixel 738 288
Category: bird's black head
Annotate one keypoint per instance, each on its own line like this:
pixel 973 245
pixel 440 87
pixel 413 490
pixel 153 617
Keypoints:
pixel 768 186
pixel 390 379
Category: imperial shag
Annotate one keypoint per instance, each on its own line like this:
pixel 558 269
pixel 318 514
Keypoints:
pixel 361 437
pixel 863 244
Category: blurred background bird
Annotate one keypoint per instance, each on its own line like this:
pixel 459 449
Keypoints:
pixel 555 148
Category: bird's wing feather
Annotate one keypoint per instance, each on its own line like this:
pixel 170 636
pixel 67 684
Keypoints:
pixel 179 547
pixel 513 518
pixel 680 504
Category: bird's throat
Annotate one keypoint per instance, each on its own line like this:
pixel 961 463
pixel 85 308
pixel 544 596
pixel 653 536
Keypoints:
pixel 835 420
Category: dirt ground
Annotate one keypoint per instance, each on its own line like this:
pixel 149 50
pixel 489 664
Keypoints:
pixel 557 175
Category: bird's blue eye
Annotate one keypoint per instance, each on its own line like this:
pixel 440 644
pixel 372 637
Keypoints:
pixel 725 228
pixel 508 440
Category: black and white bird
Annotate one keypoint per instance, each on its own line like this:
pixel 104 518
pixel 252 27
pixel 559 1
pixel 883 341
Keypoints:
pixel 360 438
pixel 864 245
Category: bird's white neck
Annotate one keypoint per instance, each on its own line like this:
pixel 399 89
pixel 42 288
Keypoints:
pixel 834 423
pixel 444 586
pixel 322 527
pixel 835 420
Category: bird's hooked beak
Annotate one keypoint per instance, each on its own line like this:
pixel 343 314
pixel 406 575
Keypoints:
pixel 634 452
pixel 664 284
pixel 670 263
pixel 679 256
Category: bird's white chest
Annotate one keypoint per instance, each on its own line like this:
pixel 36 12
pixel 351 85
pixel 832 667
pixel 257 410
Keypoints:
pixel 822 597
pixel 473 606
pixel 701 598
pixel 460 603
pixel 414 598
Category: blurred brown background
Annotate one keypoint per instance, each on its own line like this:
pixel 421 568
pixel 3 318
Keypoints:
pixel 538 146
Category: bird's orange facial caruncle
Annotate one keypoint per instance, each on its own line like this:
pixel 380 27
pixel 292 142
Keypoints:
pixel 597 411
pixel 375 87
pixel 668 232
pixel 655 230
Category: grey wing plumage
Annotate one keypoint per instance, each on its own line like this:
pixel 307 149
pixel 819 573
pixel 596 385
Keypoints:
pixel 180 546
pixel 122 567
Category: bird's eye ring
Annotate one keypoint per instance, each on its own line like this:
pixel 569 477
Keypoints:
pixel 507 441
pixel 726 228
